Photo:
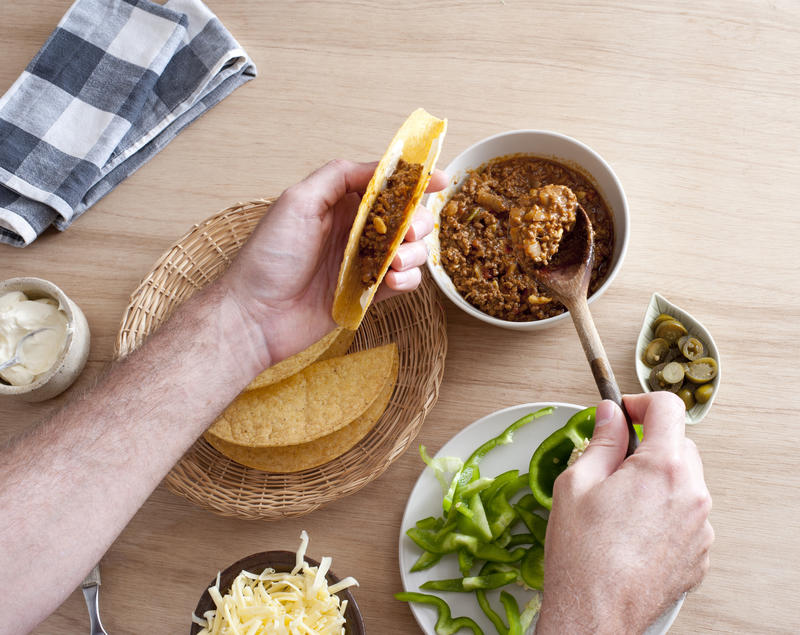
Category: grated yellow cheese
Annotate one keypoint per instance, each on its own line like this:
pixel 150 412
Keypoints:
pixel 298 603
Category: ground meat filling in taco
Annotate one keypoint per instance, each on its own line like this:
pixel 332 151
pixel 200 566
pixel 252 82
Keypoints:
pixel 385 218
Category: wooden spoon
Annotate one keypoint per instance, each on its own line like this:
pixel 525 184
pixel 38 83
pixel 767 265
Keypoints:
pixel 567 279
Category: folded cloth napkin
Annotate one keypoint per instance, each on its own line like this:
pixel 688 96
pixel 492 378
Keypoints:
pixel 115 82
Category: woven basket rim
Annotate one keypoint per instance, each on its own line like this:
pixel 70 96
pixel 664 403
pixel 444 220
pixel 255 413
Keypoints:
pixel 209 479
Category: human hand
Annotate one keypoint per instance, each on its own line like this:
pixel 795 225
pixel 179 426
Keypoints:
pixel 626 536
pixel 285 276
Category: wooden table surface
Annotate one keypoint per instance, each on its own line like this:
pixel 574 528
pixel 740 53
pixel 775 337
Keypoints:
pixel 694 104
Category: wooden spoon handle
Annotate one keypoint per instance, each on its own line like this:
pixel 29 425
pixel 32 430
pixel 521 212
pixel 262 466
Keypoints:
pixel 598 362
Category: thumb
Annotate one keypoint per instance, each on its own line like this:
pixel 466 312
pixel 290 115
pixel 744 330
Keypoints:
pixel 607 449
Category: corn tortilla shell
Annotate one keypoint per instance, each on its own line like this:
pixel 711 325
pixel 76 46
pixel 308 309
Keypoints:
pixel 320 399
pixel 419 140
pixel 334 344
pixel 295 458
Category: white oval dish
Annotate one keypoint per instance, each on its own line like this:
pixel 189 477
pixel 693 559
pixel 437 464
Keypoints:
pixel 74 353
pixel 659 304
pixel 547 145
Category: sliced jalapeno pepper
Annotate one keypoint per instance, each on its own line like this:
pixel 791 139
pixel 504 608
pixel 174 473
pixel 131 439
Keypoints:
pixel 691 347
pixel 656 352
pixel 671 330
pixel 703 393
pixel 702 370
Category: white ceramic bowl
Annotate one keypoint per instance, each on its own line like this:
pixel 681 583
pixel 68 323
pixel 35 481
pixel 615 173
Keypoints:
pixel 547 145
pixel 71 360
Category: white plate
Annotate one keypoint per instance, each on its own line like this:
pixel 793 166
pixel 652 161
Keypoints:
pixel 426 500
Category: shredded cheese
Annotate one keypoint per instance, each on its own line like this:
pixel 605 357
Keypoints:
pixel 274 602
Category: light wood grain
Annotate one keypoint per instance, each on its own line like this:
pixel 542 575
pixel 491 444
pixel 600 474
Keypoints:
pixel 694 103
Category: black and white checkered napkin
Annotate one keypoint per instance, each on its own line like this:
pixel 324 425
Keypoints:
pixel 115 82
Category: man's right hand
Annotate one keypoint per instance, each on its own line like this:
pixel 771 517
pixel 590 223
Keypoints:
pixel 626 537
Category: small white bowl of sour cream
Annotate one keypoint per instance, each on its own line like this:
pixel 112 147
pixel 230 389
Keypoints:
pixel 51 360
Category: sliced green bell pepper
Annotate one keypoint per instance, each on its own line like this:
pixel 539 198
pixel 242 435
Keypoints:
pixel 552 455
pixel 441 542
pixel 498 483
pixel 470 471
pixel 494 618
pixel 532 567
pixel 465 562
pixel 445 624
pixel 474 521
pixel 522 539
pixel 512 613
pixel 426 561
pixel 535 523
pixel 431 522
pixel 487 582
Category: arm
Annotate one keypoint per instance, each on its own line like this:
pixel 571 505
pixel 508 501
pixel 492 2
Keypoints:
pixel 626 536
pixel 69 486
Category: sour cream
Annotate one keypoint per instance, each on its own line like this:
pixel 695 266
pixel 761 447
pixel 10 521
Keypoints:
pixel 18 317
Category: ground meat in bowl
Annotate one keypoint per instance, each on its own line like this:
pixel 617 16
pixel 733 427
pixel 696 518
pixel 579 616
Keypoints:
pixel 476 250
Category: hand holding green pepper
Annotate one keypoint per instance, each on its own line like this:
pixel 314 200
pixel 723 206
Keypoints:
pixel 626 536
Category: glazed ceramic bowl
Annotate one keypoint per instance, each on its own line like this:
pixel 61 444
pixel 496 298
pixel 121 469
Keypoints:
pixel 73 356
pixel 280 561
pixel 659 304
pixel 546 145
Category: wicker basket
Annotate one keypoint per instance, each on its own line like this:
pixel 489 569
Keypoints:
pixel 415 321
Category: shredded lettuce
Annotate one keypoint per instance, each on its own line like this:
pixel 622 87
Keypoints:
pixel 445 468
pixel 530 613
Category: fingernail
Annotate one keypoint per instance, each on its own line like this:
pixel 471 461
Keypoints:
pixel 605 412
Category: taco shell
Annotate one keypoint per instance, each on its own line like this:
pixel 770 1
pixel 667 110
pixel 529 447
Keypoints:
pixel 304 456
pixel 417 143
pixel 310 404
pixel 334 344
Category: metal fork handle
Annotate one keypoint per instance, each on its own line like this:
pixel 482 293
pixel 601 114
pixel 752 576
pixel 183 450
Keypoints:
pixel 90 595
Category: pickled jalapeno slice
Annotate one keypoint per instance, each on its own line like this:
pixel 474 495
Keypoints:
pixel 671 330
pixel 687 396
pixel 701 370
pixel 691 347
pixel 672 373
pixel 656 352
pixel 703 393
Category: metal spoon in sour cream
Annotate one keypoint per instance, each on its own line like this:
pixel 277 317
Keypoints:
pixel 20 316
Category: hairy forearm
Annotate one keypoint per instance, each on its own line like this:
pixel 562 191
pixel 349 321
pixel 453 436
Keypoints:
pixel 70 485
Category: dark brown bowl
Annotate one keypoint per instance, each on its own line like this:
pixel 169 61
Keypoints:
pixel 280 561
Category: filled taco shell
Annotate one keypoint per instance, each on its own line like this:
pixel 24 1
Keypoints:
pixel 385 213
